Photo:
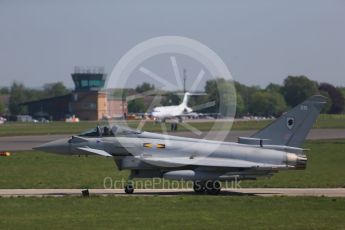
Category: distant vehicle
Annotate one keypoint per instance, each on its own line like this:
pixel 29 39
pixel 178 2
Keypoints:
pixel 72 119
pixel 24 118
pixel 247 118
pixel 162 113
pixel 5 154
pixel 2 120
pixel 205 162
pixel 43 120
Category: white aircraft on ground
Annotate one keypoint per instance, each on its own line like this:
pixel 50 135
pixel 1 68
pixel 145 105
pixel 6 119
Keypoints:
pixel 162 113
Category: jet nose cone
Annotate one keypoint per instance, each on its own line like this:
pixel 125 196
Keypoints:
pixel 60 146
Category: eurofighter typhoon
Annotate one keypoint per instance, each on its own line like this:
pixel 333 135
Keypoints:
pixel 205 162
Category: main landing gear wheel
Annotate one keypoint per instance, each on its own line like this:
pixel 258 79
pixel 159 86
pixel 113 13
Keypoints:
pixel 213 187
pixel 129 189
pixel 198 187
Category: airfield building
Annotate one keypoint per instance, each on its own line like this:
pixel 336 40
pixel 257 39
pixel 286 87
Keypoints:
pixel 88 100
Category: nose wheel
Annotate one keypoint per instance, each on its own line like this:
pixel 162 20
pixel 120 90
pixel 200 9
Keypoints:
pixel 210 187
pixel 129 189
pixel 213 187
pixel 199 187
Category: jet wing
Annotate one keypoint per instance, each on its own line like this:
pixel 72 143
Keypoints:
pixel 206 161
pixel 95 151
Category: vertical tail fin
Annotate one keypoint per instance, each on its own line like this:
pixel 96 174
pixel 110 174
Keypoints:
pixel 185 99
pixel 292 127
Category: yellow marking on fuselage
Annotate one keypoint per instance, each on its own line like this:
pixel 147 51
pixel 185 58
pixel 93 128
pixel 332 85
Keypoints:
pixel 160 146
pixel 147 145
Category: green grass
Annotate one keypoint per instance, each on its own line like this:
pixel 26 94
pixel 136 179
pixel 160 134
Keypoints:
pixel 180 212
pixel 330 121
pixel 59 127
pixel 32 169
pixel 56 127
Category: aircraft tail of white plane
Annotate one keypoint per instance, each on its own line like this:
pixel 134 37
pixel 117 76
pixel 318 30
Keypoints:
pixel 185 99
pixel 292 127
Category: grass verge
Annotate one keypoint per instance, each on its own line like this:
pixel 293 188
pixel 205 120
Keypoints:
pixel 181 212
pixel 59 127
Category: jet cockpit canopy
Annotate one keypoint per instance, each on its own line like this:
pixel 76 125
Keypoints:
pixel 106 131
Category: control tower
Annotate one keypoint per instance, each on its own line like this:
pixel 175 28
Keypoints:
pixel 89 99
pixel 89 79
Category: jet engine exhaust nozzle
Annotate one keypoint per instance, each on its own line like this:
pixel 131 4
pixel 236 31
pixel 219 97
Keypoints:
pixel 297 161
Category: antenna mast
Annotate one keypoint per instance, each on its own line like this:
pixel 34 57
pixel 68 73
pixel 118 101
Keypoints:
pixel 184 80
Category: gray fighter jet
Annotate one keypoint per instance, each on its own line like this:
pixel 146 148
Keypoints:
pixel 205 162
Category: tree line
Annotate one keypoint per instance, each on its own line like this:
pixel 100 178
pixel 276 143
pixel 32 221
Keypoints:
pixel 252 100
pixel 272 100
pixel 18 94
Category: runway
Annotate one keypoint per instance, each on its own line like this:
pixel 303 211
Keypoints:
pixel 261 192
pixel 19 143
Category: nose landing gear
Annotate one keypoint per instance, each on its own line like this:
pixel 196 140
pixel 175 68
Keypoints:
pixel 211 187
pixel 199 187
pixel 129 188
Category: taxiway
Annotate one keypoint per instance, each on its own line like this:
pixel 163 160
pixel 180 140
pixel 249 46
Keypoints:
pixel 19 143
pixel 264 192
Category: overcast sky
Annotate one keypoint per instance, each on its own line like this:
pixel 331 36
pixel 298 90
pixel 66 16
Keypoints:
pixel 260 41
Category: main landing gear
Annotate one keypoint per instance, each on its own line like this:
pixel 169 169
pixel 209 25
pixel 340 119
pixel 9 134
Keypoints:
pixel 200 187
pixel 211 187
